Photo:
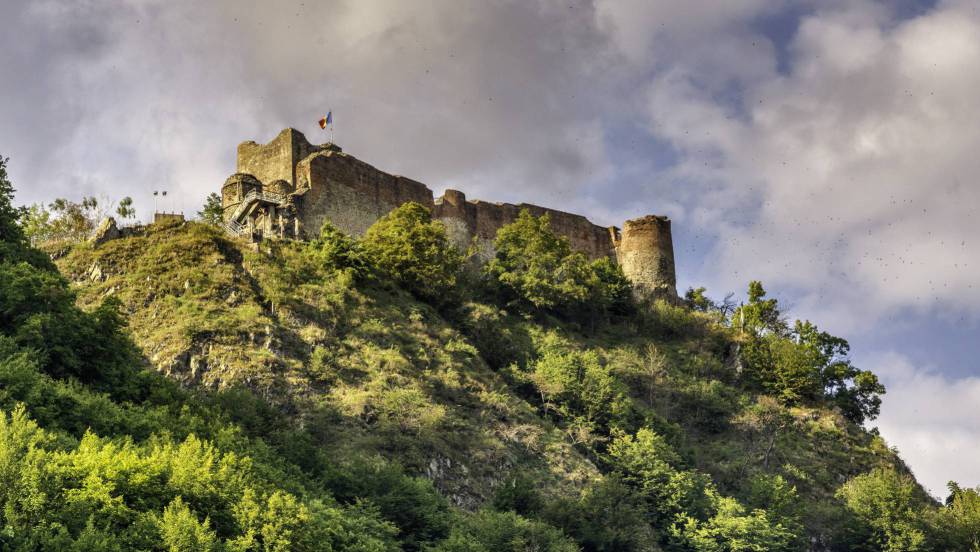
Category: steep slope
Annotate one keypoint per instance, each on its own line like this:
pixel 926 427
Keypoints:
pixel 367 370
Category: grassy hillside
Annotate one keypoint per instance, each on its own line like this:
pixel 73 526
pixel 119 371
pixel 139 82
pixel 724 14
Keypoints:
pixel 363 369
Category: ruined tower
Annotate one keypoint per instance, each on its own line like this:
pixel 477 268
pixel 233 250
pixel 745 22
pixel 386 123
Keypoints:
pixel 645 252
pixel 288 188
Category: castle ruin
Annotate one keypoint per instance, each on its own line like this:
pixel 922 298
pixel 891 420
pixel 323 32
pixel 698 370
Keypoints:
pixel 288 188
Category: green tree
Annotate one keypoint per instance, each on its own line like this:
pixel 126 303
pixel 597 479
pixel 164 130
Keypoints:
pixel 607 516
pixel 338 251
pixel 415 252
pixel 74 221
pixel 579 386
pixel 10 230
pixel 182 532
pixel 489 531
pixel 36 223
pixel 125 209
pixel 535 269
pixel 735 529
pixel 888 509
pixel 647 463
pixel 958 522
pixel 212 213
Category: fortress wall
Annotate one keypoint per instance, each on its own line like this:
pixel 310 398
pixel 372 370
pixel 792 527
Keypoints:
pixel 277 159
pixel 350 193
pixel 480 219
pixel 353 195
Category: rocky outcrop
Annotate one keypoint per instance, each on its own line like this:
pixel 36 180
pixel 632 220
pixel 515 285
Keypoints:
pixel 106 231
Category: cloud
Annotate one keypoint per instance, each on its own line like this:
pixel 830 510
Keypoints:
pixel 932 420
pixel 846 179
pixel 155 95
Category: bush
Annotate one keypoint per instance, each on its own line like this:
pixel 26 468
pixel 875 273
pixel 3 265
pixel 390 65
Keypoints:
pixel 337 251
pixel 888 511
pixel 607 516
pixel 517 495
pixel 489 531
pixel 537 270
pixel 415 252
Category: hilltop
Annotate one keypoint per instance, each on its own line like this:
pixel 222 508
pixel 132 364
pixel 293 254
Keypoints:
pixel 180 388
pixel 369 370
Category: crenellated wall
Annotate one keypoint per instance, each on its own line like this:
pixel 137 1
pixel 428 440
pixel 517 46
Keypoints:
pixel 326 184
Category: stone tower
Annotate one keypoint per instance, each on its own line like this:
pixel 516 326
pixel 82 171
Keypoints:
pixel 645 251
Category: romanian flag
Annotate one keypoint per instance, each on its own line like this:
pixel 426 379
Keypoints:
pixel 328 120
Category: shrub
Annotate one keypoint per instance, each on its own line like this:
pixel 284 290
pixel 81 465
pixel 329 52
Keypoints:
pixel 537 270
pixel 336 250
pixel 415 252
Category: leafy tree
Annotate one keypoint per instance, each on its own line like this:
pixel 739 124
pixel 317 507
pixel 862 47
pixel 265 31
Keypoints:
pixel 779 499
pixel 735 529
pixel 802 364
pixel 212 213
pixel 888 511
pixel 697 300
pixel 607 516
pixel 36 224
pixel 336 250
pixel 517 495
pixel 415 252
pixel 125 209
pixel 489 531
pixel 760 315
pixel 536 269
pixel 765 421
pixel 958 522
pixel 73 221
pixel 182 532
pixel 647 463
pixel 10 230
pixel 578 386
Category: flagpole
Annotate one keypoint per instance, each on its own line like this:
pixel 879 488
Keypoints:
pixel 330 111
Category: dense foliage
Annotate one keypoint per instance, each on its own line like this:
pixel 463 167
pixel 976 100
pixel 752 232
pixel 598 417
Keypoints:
pixel 803 364
pixel 212 212
pixel 326 407
pixel 414 251
pixel 536 269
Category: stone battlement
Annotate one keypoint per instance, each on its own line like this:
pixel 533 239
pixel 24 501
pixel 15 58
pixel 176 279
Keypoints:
pixel 288 188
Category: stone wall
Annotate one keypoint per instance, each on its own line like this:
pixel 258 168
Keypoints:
pixel 168 218
pixel 350 193
pixel 277 160
pixel 333 186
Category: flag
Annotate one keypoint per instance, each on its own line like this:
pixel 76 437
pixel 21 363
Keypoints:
pixel 328 120
pixel 164 193
pixel 156 193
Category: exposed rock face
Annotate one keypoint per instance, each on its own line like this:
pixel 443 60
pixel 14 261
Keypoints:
pixel 288 188
pixel 106 231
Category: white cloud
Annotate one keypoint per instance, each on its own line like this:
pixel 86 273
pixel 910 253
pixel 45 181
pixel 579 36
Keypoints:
pixel 157 94
pixel 849 178
pixel 932 420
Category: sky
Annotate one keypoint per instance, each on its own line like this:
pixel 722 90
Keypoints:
pixel 827 148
